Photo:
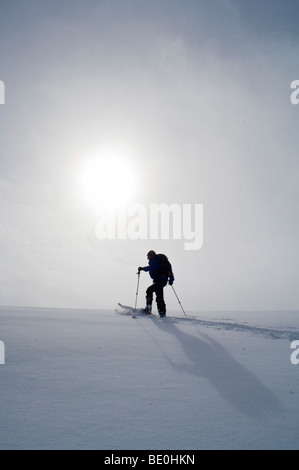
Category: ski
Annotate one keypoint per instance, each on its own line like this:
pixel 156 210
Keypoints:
pixel 135 312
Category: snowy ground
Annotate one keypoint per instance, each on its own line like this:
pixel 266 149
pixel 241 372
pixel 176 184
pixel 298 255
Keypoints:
pixel 75 379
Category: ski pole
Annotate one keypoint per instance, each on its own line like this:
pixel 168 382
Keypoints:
pixel 178 300
pixel 137 289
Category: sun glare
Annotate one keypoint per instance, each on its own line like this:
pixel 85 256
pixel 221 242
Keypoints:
pixel 108 182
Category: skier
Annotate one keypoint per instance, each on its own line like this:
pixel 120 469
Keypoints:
pixel 160 271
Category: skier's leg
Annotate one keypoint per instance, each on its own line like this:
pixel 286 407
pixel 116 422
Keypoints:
pixel 160 299
pixel 149 298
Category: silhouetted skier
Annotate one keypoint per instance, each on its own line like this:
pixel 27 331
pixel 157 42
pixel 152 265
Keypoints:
pixel 160 271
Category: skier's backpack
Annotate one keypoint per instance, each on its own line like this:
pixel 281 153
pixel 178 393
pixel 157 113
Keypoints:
pixel 164 266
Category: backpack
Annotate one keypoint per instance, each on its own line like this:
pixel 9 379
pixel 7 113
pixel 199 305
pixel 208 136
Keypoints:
pixel 164 266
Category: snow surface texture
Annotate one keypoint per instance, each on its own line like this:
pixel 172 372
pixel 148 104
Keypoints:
pixel 75 379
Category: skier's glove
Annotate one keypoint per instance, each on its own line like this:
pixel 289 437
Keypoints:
pixel 170 282
pixel 140 269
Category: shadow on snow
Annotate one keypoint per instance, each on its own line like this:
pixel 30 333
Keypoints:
pixel 209 359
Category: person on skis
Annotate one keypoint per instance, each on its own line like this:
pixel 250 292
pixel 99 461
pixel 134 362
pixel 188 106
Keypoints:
pixel 160 271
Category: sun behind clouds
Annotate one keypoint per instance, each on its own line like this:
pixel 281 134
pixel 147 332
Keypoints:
pixel 108 181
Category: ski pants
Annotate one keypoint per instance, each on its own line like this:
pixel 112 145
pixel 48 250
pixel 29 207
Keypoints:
pixel 157 287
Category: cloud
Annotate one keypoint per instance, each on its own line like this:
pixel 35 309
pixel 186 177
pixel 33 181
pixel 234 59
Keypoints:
pixel 201 97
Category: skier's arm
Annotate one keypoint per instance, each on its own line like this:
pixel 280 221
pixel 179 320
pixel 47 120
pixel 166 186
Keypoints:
pixel 170 276
pixel 152 267
pixel 145 268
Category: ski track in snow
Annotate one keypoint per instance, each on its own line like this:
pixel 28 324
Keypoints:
pixel 289 333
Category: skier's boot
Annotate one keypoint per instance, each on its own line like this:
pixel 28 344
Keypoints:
pixel 148 309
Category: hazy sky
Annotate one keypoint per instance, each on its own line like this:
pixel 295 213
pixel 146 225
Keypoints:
pixel 194 97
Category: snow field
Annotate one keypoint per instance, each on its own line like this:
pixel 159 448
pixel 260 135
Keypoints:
pixel 77 379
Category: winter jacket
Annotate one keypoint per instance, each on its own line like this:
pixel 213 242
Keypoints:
pixel 152 268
